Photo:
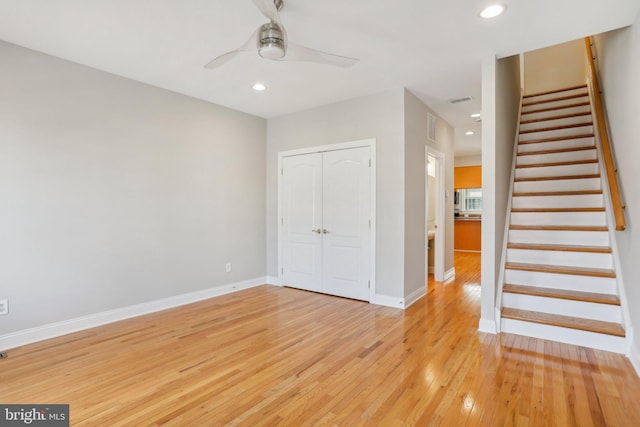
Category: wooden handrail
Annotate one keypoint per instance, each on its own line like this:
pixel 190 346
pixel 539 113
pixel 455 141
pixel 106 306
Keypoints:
pixel 616 200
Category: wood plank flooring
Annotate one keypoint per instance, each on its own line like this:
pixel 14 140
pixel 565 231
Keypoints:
pixel 279 356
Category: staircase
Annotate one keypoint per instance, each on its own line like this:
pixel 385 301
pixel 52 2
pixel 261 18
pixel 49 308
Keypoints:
pixel 559 281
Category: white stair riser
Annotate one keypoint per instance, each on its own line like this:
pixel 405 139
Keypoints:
pixel 557 145
pixel 597 219
pixel 570 156
pixel 554 104
pixel 552 237
pixel 559 112
pixel 563 307
pixel 560 258
pixel 556 133
pixel 569 336
pixel 556 122
pixel 570 282
pixel 577 201
pixel 554 95
pixel 583 184
pixel 562 170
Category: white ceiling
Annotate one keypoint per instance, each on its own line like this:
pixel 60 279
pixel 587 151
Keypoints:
pixel 433 49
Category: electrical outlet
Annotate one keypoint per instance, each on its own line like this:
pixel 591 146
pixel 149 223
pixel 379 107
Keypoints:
pixel 4 307
pixel 227 267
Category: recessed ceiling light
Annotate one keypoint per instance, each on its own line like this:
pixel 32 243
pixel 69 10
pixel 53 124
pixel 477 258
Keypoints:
pixel 492 11
pixel 475 115
pixel 259 87
pixel 469 133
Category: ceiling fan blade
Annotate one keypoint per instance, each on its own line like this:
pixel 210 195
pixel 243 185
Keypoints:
pixel 268 9
pixel 251 44
pixel 222 59
pixel 296 52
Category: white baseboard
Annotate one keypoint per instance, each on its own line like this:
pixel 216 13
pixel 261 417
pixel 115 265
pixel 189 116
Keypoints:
pixel 634 356
pixel 388 301
pixel 415 296
pixel 40 333
pixel 498 316
pixel 488 326
pixel 449 275
pixel 273 280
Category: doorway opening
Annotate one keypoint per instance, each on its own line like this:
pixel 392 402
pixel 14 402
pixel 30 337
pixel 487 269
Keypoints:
pixel 434 214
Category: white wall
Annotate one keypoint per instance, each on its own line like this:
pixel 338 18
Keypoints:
pixel 431 214
pixel 115 193
pixel 415 191
pixel 377 116
pixel 555 67
pixel 619 65
pixel 461 161
pixel 500 103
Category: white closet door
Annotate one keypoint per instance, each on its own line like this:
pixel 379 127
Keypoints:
pixel 302 214
pixel 346 198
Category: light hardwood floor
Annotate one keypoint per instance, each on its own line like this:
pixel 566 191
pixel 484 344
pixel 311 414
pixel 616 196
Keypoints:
pixel 278 356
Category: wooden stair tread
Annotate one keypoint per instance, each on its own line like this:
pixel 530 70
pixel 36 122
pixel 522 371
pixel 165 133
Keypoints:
pixel 558 269
pixel 560 248
pixel 560 98
pixel 560 150
pixel 561 107
pixel 551 118
pixel 552 128
pixel 562 294
pixel 557 228
pixel 557 193
pixel 578 323
pixel 569 163
pixel 549 92
pixel 557 177
pixel 541 210
pixel 557 138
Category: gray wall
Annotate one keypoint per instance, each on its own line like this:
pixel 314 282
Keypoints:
pixel 378 116
pixel 415 112
pixel 507 108
pixel 115 193
pixel 500 103
pixel 619 65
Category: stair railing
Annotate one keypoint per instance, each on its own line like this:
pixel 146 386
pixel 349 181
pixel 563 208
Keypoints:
pixel 612 177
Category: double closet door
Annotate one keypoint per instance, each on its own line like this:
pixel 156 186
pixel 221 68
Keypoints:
pixel 326 209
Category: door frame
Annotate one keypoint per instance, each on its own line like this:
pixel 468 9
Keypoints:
pixel 371 143
pixel 438 259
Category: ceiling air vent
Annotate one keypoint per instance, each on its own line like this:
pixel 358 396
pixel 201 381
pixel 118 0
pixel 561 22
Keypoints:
pixel 459 100
pixel 431 127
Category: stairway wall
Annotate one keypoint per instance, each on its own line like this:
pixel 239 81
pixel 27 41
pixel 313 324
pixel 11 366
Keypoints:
pixel 500 102
pixel 562 65
pixel 619 67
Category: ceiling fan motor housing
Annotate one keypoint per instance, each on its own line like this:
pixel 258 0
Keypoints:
pixel 271 41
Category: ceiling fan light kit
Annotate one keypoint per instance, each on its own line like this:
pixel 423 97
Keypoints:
pixel 270 41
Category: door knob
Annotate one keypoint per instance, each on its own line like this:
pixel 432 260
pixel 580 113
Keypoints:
pixel 317 230
pixel 325 231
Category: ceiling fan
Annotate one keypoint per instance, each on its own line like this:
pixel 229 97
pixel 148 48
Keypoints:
pixel 270 41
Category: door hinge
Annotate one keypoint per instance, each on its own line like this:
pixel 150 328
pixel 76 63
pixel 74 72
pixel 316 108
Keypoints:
pixel 369 284
pixel 282 271
pixel 281 171
pixel 369 224
pixel 369 162
pixel 282 221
